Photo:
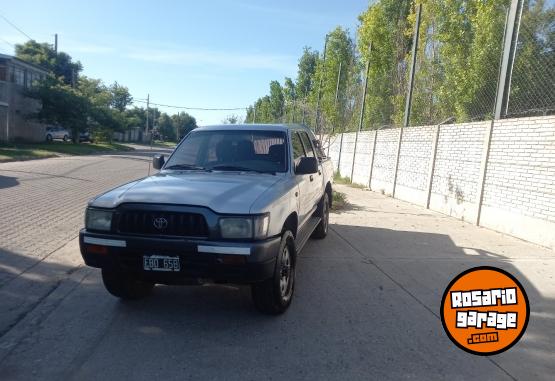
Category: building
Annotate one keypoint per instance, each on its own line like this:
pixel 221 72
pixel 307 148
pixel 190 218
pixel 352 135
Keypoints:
pixel 16 76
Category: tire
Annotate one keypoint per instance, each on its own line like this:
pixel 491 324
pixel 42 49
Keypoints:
pixel 66 138
pixel 125 286
pixel 321 230
pixel 49 138
pixel 273 296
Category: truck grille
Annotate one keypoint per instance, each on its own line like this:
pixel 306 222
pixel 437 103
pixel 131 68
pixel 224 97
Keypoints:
pixel 162 223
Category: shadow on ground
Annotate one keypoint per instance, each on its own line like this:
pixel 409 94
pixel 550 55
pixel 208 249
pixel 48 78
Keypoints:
pixel 366 306
pixel 8 182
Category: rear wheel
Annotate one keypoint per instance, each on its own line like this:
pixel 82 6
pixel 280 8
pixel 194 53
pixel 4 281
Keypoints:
pixel 66 138
pixel 321 230
pixel 49 138
pixel 274 295
pixel 125 286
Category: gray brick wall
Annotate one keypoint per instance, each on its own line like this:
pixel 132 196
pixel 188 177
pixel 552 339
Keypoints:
pixel 347 154
pixel 414 158
pixel 457 167
pixel 384 158
pixel 519 183
pixel 520 176
pixel 361 173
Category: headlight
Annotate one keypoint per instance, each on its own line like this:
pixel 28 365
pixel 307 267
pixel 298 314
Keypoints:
pixel 96 219
pixel 244 227
pixel 236 227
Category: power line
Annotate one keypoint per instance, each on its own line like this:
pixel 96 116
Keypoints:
pixel 7 42
pixel 191 108
pixel 15 26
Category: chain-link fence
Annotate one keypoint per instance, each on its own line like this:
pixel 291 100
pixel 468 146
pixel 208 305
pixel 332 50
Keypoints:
pixel 532 83
pixel 467 53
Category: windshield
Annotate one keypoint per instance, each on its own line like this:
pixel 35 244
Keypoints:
pixel 249 150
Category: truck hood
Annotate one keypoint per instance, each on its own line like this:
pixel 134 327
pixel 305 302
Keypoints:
pixel 223 192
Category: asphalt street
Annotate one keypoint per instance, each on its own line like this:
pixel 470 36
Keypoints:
pixel 366 304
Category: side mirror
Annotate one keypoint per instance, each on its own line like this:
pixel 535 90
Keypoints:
pixel 158 161
pixel 307 166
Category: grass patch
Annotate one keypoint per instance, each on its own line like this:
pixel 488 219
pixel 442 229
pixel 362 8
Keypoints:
pixel 160 143
pixel 338 179
pixel 339 200
pixel 28 151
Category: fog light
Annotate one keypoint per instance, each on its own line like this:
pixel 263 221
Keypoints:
pixel 233 259
pixel 97 249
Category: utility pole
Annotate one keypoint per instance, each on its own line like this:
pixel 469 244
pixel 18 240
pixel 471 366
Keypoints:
pixel 147 106
pixel 56 43
pixel 177 127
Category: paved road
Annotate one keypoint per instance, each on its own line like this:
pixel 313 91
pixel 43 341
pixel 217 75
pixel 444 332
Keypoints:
pixel 366 304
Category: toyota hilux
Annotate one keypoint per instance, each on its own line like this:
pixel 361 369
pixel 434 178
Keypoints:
pixel 231 204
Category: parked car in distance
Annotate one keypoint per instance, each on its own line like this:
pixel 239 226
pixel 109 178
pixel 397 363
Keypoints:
pixel 232 204
pixel 85 136
pixel 57 133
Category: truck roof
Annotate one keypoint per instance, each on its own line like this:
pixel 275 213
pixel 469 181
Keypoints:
pixel 267 127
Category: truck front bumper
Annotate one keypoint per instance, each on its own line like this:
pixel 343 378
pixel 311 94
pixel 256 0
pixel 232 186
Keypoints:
pixel 200 260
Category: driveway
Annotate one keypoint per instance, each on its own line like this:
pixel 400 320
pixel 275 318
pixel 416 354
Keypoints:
pixel 366 304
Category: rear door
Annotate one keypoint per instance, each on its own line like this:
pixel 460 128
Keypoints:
pixel 304 199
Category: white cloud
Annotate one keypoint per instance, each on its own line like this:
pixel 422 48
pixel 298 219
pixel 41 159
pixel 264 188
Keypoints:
pixel 234 60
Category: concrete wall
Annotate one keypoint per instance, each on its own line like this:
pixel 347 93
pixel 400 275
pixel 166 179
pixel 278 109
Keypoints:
pixel 501 176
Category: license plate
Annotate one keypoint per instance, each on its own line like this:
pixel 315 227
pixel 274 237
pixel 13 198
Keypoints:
pixel 161 263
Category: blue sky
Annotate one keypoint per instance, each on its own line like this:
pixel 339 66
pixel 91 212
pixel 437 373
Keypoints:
pixel 219 54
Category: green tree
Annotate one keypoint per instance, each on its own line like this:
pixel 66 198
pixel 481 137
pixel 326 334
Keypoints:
pixel 61 104
pixel 183 123
pixel 166 127
pixel 121 98
pixel 276 101
pixel 232 119
pixel 306 71
pixel 59 64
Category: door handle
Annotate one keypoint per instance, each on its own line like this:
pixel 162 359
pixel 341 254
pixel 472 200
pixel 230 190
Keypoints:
pixel 311 178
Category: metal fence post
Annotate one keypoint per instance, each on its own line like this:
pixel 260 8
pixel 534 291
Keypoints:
pixel 372 158
pixel 432 165
pixel 317 124
pixel 499 98
pixel 509 42
pixel 340 153
pixel 408 103
pixel 335 106
pixel 361 120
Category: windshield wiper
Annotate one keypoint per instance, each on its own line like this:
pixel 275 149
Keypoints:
pixel 187 167
pixel 239 168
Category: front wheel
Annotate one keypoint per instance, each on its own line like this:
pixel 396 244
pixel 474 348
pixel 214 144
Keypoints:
pixel 273 296
pixel 125 286
pixel 66 138
pixel 48 138
pixel 321 230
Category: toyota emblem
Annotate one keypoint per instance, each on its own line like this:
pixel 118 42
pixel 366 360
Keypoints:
pixel 160 223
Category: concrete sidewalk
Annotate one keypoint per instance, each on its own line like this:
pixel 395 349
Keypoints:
pixel 422 251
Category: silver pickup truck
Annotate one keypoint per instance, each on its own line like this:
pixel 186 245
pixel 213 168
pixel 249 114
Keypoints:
pixel 232 204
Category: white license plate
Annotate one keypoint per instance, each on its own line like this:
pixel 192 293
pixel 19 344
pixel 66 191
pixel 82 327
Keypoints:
pixel 161 263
